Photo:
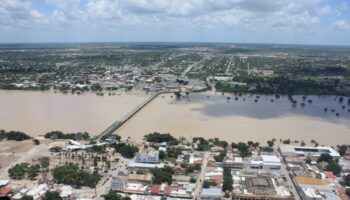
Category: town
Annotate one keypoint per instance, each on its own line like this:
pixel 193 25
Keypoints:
pixel 73 166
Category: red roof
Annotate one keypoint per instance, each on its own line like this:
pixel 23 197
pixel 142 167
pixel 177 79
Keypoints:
pixel 197 162
pixel 5 191
pixel 217 177
pixel 330 175
pixel 167 190
pixel 155 189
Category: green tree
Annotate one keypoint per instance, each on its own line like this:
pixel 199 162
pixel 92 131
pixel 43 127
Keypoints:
pixel 26 197
pixel 36 142
pixel 342 149
pixel 113 195
pixel 45 162
pixel 52 196
pixel 325 157
pixel 333 167
pixel 347 180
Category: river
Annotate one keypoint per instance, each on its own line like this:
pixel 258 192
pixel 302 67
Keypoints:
pixel 214 115
pixel 36 113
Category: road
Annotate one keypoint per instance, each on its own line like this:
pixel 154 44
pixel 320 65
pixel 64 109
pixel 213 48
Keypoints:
pixel 201 175
pixel 227 71
pixel 290 184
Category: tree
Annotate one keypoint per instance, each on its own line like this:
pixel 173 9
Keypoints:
pixel 288 141
pixel 56 149
pixel 271 143
pixel 206 184
pixel 333 167
pixel 347 180
pixel 72 175
pixel 52 196
pixel 228 181
pixel 192 180
pixel 325 157
pixel 302 143
pixel 161 137
pixel 36 141
pixel 342 149
pixel 45 162
pixel 347 192
pixel 26 197
pixel 113 195
pixel 126 150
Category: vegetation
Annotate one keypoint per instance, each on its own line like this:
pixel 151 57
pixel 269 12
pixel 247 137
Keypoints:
pixel 347 180
pixel 13 135
pixel 24 170
pixel 56 149
pixel 161 137
pixel 333 167
pixel 126 150
pixel 208 184
pixel 113 195
pixel 72 175
pixel 72 136
pixel 202 144
pixel 52 196
pixel 227 184
pixel 26 197
pixel 36 142
pixel 325 157
pixel 221 156
pixel 342 149
pixel 243 148
pixel 162 175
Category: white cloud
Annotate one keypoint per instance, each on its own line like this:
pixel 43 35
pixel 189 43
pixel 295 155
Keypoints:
pixel 342 25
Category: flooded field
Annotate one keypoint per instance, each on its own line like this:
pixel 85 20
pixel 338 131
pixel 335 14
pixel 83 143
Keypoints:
pixel 214 115
pixel 36 113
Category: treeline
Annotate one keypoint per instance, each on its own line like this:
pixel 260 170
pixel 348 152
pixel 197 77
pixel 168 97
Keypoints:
pixel 126 150
pixel 161 137
pixel 72 136
pixel 13 135
pixel 72 175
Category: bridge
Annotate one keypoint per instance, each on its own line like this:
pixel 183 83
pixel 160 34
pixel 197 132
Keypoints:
pixel 112 128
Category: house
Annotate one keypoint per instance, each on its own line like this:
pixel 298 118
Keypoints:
pixel 134 166
pixel 38 191
pixel 147 157
pixel 139 178
pixel 211 193
pixel 297 151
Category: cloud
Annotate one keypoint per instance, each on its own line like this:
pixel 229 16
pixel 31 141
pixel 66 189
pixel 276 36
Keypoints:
pixel 342 25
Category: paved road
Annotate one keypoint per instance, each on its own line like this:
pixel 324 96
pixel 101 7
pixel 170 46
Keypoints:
pixel 201 176
pixel 290 184
pixel 227 71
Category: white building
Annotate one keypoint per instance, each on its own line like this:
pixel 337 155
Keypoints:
pixel 294 151
pixel 147 157
pixel 38 191
pixel 266 162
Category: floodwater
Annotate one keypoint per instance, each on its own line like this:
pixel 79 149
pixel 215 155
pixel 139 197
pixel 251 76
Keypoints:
pixel 36 113
pixel 212 115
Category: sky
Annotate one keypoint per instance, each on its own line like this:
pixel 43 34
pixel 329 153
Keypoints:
pixel 234 21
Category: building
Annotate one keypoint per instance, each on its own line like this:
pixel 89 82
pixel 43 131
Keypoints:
pixel 134 166
pixel 296 151
pixel 147 157
pixel 265 162
pixel 118 183
pixel 235 162
pixel 38 191
pixel 66 192
pixel 211 193
pixel 139 178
